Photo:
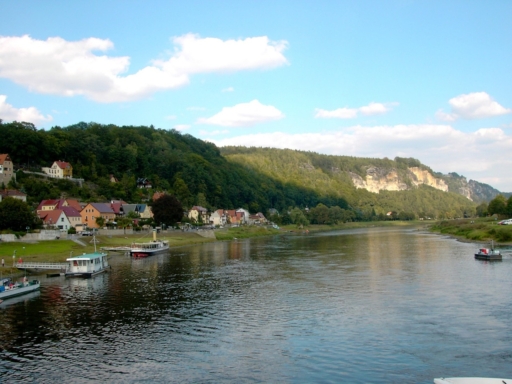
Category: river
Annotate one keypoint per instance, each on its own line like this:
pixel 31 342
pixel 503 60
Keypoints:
pixel 378 305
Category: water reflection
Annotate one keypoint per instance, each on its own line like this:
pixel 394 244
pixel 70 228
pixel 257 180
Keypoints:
pixel 390 304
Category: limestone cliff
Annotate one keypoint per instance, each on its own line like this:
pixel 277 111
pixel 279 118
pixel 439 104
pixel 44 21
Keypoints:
pixel 390 179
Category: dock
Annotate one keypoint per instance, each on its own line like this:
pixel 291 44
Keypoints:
pixel 41 266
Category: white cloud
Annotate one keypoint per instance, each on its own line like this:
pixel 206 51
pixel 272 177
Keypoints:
pixel 475 105
pixel 29 115
pixel 213 133
pixel 443 148
pixel 228 89
pixel 181 127
pixel 340 113
pixel 244 115
pixel 71 68
pixel 351 113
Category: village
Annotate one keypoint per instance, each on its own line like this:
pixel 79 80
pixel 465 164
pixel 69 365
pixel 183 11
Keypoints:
pixel 69 215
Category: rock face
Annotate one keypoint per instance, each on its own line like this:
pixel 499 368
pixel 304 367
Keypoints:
pixel 389 179
pixel 381 179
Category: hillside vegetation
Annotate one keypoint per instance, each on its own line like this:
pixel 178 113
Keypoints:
pixel 196 172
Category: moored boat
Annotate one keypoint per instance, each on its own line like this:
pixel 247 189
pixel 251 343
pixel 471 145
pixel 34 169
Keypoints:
pixel 87 265
pixel 149 248
pixel 10 289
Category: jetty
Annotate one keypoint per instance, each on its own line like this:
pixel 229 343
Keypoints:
pixel 37 266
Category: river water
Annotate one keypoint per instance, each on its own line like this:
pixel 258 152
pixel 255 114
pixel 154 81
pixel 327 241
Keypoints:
pixel 371 305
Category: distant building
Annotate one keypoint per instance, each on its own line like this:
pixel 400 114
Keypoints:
pixel 59 170
pixel 13 193
pixel 6 169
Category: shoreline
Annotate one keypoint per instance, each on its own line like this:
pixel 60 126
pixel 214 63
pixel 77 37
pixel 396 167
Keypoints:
pixel 60 250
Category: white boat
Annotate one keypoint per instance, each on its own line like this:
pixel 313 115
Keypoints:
pixel 471 380
pixel 9 289
pixel 87 265
pixel 149 248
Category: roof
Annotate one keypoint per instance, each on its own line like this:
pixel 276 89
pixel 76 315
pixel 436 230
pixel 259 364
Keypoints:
pixel 4 157
pixel 71 212
pixel 87 256
pixel 62 164
pixel 11 192
pixel 60 203
pixel 116 207
pixel 50 216
pixel 198 208
pixel 102 207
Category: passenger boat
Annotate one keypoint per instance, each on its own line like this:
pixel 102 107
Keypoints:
pixel 149 248
pixel 10 289
pixel 87 265
pixel 471 380
pixel 488 254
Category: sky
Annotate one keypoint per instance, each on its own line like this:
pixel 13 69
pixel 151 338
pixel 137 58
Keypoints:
pixel 425 79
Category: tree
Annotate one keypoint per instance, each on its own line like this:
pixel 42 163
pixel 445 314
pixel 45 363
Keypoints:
pixel 498 205
pixel 167 210
pixel 100 221
pixel 481 210
pixel 15 215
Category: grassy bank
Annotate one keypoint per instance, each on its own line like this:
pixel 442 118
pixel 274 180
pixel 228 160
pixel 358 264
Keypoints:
pixel 482 229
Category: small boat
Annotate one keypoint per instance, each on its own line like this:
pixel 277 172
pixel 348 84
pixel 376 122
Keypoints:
pixel 10 289
pixel 471 380
pixel 87 265
pixel 488 254
pixel 149 248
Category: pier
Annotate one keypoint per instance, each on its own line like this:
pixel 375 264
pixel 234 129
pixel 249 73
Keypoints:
pixel 116 249
pixel 40 266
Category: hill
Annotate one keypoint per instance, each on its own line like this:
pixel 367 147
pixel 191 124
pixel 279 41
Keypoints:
pixel 199 173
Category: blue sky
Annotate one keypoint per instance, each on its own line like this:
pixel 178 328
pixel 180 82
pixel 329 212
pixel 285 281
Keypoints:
pixel 424 79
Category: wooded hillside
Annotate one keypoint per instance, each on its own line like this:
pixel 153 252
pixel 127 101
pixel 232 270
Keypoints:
pixel 196 172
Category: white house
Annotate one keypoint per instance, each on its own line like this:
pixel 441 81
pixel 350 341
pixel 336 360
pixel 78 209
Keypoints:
pixel 218 217
pixel 59 170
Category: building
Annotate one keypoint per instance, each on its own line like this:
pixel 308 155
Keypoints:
pixel 6 169
pixel 59 170
pixel 95 210
pixel 199 214
pixel 15 194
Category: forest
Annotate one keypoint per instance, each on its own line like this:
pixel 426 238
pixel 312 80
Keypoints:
pixel 199 173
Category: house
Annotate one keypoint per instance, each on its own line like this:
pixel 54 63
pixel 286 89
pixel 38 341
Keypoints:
pixel 6 169
pixel 157 195
pixel 73 216
pixel 59 170
pixel 198 214
pixel 219 217
pixel 113 179
pixel 234 218
pixel 54 219
pixel 13 193
pixel 258 218
pixel 95 210
pixel 246 215
pixel 142 182
pixel 145 211
pixel 127 208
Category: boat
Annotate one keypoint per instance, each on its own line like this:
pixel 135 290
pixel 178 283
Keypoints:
pixel 10 289
pixel 472 380
pixel 488 254
pixel 149 248
pixel 87 265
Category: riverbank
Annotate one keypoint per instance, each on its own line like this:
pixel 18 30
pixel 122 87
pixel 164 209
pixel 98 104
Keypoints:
pixel 475 230
pixel 55 251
